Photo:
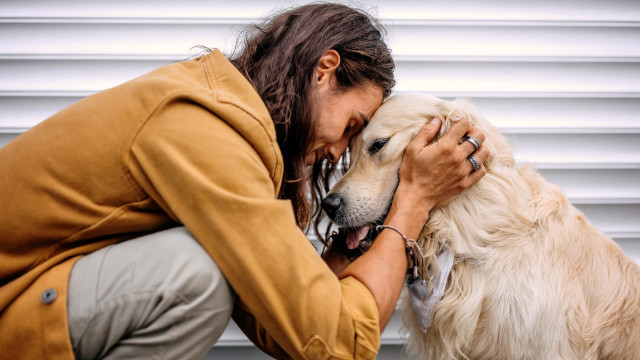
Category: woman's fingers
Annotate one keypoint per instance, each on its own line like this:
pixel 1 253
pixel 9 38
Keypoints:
pixel 480 157
pixel 441 170
pixel 473 139
pixel 469 147
pixel 427 133
pixel 457 131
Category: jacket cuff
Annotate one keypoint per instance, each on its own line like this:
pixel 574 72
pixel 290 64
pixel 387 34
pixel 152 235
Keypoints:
pixel 366 322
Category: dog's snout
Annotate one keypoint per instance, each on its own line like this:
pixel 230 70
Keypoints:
pixel 331 204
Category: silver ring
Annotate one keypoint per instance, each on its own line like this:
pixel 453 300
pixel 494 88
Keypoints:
pixel 474 163
pixel 473 141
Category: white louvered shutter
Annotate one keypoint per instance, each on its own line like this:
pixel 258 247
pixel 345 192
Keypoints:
pixel 561 79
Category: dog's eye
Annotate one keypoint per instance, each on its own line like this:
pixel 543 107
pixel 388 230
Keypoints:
pixel 377 145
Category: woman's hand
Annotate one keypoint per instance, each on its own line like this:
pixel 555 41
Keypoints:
pixel 433 175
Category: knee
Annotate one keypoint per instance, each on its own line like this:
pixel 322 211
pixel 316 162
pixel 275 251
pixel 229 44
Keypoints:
pixel 192 272
pixel 197 279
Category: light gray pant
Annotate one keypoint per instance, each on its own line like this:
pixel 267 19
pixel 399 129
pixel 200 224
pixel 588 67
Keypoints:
pixel 159 296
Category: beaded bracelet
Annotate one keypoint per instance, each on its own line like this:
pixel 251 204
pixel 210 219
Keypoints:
pixel 413 252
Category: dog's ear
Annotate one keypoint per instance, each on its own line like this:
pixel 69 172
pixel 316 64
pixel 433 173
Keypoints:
pixel 499 148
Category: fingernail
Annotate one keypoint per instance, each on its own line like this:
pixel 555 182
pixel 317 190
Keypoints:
pixel 436 121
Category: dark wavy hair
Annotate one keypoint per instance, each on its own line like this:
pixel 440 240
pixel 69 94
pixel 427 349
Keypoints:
pixel 279 56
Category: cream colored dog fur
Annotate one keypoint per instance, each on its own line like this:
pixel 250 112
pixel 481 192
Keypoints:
pixel 533 279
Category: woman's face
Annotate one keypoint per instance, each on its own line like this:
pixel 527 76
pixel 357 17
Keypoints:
pixel 342 114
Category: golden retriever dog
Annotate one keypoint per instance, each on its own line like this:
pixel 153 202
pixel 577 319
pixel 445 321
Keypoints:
pixel 527 276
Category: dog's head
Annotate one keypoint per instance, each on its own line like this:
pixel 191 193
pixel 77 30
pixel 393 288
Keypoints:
pixel 362 198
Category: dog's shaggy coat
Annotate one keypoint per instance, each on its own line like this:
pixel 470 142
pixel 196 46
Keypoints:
pixel 533 278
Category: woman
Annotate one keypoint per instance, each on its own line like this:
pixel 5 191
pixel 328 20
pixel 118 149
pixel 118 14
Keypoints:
pixel 221 148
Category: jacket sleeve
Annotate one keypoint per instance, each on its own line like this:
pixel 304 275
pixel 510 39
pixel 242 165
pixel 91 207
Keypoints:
pixel 209 178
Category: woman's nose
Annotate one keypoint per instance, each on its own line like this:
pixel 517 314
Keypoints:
pixel 332 157
pixel 335 150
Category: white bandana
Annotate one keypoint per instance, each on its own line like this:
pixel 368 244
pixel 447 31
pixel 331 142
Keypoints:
pixel 424 302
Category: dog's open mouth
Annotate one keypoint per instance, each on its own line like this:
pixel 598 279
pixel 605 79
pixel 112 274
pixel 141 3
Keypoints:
pixel 354 238
pixel 353 242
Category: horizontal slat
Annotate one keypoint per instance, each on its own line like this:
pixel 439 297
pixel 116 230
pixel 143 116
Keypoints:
pixel 5 138
pixel 482 40
pixel 620 221
pixel 597 186
pixel 439 78
pixel 631 247
pixel 528 77
pixel 109 39
pixel 23 112
pixel 589 10
pixel 61 75
pixel 576 149
pixel 411 40
pixel 599 114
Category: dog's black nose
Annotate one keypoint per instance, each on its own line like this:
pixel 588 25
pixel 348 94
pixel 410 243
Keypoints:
pixel 331 204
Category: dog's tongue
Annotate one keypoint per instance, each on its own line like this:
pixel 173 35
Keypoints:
pixel 354 237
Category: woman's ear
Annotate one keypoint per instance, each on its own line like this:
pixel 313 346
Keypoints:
pixel 326 68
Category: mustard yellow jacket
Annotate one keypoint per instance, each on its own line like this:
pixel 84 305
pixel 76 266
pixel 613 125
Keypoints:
pixel 190 143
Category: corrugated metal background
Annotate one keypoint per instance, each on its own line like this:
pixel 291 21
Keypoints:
pixel 561 79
